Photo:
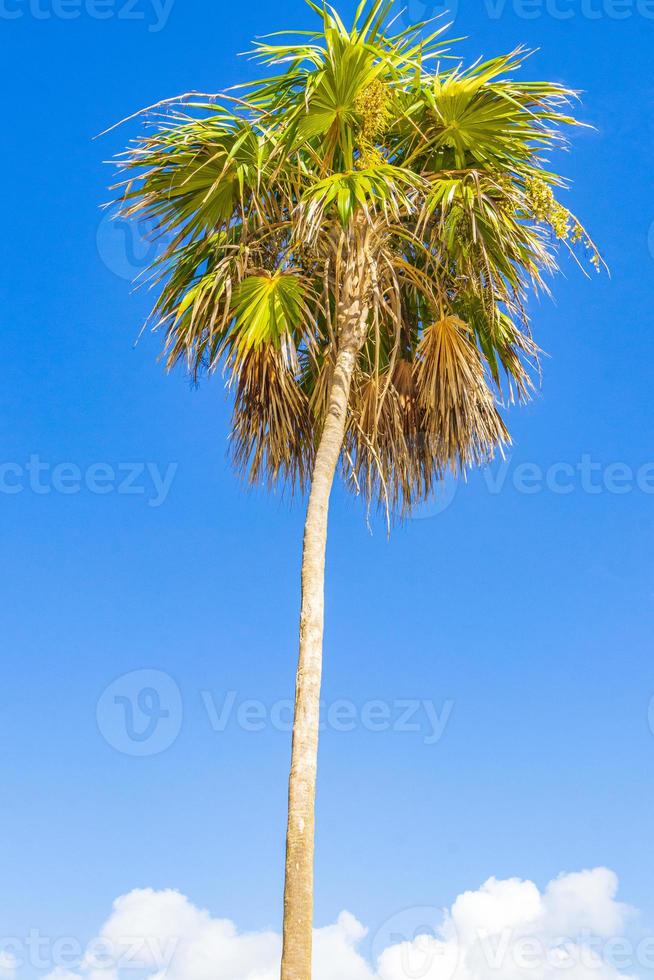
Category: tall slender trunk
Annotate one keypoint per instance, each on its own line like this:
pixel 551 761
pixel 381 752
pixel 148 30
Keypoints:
pixel 298 889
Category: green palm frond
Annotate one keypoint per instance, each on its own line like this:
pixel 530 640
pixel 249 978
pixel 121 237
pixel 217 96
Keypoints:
pixel 268 309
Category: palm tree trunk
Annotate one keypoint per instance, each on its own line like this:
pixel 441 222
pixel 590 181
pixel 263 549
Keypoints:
pixel 298 892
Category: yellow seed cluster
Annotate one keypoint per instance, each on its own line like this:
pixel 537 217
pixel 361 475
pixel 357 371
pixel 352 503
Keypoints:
pixel 560 221
pixel 372 105
pixel 369 156
pixel 541 199
pixel 544 207
pixel 505 201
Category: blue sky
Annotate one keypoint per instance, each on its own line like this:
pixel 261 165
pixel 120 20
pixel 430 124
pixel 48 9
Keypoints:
pixel 525 616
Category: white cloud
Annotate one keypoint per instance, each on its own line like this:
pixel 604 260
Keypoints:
pixel 585 901
pixel 59 973
pixel 505 930
pixel 7 966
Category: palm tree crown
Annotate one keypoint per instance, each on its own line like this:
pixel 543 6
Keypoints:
pixel 372 165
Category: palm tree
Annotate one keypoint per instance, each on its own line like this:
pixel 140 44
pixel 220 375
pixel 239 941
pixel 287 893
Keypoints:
pixel 352 240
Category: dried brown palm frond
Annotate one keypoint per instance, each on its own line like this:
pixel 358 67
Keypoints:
pixel 272 436
pixel 388 457
pixel 460 412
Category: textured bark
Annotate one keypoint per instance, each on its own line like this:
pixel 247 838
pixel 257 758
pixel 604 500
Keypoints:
pixel 298 891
